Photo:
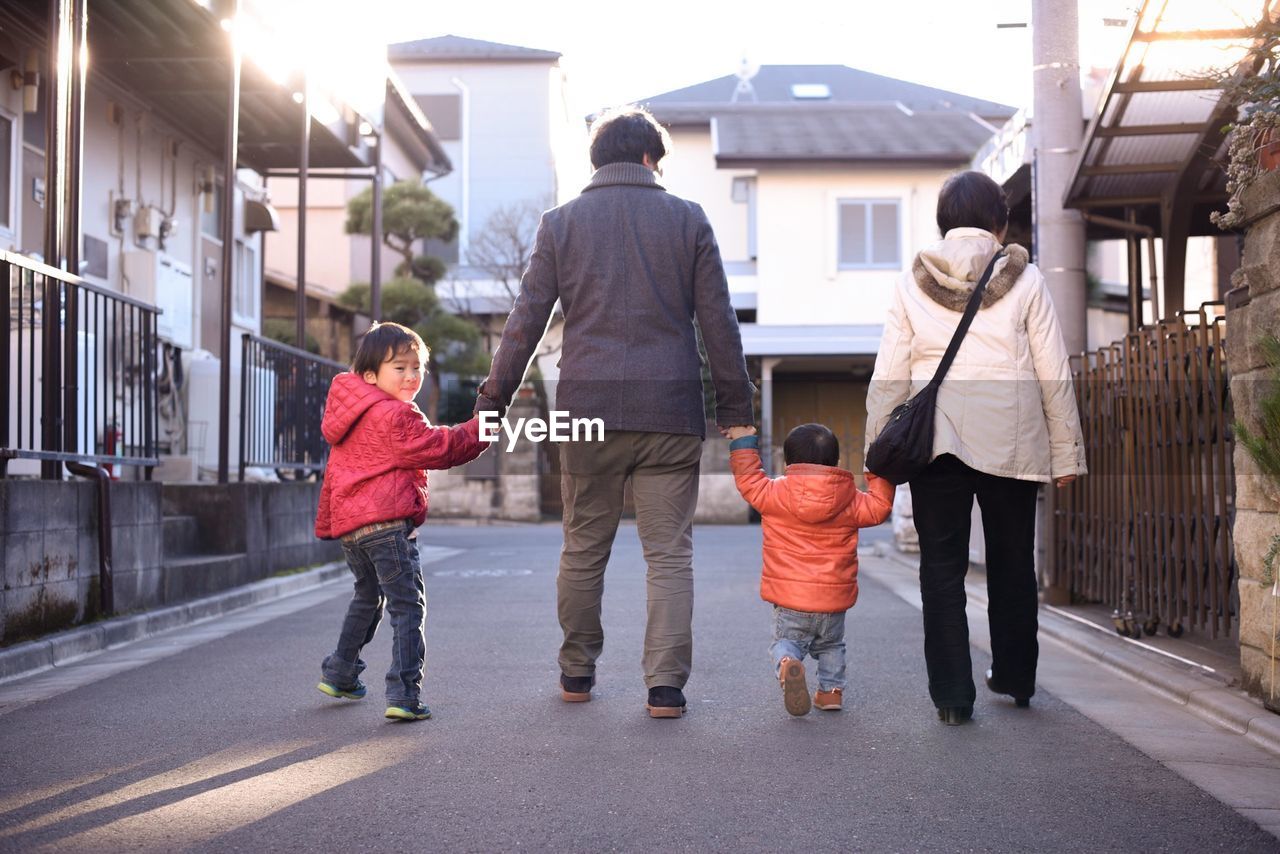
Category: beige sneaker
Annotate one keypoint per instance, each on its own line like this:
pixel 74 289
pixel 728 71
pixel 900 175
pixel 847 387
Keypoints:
pixel 829 701
pixel 795 693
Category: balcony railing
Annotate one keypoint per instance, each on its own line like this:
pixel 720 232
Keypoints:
pixel 79 365
pixel 282 395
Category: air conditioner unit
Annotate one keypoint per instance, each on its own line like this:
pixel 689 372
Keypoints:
pixel 203 377
pixel 166 283
pixel 28 385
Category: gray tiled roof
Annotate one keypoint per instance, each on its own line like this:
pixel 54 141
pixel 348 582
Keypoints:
pixel 845 133
pixel 460 49
pixel 848 85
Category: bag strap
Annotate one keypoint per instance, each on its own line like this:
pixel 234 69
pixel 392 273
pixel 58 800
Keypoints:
pixel 970 309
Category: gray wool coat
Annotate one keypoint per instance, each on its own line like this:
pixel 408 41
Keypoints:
pixel 633 267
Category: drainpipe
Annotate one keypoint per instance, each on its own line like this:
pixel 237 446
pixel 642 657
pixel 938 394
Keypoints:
pixel 464 232
pixel 106 584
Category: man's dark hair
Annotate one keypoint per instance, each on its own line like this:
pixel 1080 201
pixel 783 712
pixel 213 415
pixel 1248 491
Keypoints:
pixel 811 443
pixel 385 341
pixel 626 135
pixel 972 200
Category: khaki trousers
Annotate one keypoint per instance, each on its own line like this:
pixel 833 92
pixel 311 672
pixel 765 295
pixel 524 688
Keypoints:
pixel 663 469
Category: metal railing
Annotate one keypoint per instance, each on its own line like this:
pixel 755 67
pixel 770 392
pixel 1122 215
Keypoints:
pixel 79 367
pixel 1148 531
pixel 282 395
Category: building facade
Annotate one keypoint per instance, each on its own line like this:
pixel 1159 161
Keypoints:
pixel 820 182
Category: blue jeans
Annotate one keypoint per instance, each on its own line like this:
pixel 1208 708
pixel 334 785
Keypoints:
pixel 800 633
pixel 387 573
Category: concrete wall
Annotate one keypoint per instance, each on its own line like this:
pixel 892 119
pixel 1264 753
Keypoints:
pixel 689 171
pixel 1257 499
pixel 49 541
pixel 272 524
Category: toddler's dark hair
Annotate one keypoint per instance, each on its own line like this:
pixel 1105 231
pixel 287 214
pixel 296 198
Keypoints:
pixel 385 341
pixel 811 443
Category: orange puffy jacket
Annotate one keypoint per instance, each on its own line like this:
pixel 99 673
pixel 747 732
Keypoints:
pixel 811 516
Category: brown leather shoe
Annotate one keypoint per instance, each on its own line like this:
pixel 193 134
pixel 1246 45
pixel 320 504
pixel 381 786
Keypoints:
pixel 795 693
pixel 829 701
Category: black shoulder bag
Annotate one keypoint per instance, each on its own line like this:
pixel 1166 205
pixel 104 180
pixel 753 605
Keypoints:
pixel 905 446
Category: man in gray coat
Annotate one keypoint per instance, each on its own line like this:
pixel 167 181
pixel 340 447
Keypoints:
pixel 633 268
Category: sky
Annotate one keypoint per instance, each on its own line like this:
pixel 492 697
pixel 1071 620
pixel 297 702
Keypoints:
pixel 616 53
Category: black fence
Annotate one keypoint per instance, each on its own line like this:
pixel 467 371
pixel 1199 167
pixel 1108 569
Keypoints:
pixel 282 394
pixel 79 364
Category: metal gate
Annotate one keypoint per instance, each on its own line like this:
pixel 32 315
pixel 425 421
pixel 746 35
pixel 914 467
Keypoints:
pixel 1148 531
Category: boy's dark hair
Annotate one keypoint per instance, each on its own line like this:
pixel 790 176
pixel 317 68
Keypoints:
pixel 626 135
pixel 385 341
pixel 811 443
pixel 972 200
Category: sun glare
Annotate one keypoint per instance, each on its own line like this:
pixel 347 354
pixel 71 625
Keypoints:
pixel 342 55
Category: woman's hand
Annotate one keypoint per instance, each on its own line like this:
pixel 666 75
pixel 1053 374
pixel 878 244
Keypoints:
pixel 1063 481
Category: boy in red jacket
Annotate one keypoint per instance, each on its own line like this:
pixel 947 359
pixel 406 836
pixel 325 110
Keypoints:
pixel 374 498
pixel 811 516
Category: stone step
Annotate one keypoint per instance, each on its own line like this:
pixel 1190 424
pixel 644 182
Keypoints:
pixel 193 576
pixel 181 536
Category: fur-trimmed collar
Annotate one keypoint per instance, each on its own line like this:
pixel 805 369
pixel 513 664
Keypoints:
pixel 951 291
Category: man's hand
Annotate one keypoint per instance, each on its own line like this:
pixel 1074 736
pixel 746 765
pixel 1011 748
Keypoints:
pixel 737 432
pixel 1063 481
pixel 485 404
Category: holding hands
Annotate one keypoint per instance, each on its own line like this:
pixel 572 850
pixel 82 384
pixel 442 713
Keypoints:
pixel 738 431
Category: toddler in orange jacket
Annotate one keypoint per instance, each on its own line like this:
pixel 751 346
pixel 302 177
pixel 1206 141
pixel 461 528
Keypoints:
pixel 811 516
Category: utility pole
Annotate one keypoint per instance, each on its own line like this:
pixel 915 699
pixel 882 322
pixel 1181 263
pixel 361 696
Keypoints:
pixel 1058 234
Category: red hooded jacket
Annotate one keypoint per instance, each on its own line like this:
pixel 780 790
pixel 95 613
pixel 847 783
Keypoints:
pixel 381 449
pixel 811 516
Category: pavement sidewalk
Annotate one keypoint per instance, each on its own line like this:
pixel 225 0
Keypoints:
pixel 1178 678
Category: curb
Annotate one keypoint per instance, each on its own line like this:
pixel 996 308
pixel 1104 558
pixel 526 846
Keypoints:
pixel 1202 694
pixel 26 659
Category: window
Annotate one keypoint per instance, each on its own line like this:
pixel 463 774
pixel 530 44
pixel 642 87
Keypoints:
pixel 744 192
pixel 244 302
pixel 868 234
pixel 6 173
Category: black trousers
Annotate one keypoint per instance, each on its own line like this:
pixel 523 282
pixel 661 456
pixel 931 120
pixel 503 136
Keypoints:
pixel 942 500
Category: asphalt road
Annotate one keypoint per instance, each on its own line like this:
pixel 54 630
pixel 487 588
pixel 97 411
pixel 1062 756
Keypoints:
pixel 227 745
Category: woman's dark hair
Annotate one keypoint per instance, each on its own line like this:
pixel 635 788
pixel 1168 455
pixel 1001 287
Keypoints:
pixel 972 200
pixel 811 443
pixel 385 341
pixel 626 135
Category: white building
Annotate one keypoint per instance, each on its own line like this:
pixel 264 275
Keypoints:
pixel 820 182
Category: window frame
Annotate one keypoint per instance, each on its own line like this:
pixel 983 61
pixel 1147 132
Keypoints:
pixel 867 203
pixel 252 289
pixel 12 163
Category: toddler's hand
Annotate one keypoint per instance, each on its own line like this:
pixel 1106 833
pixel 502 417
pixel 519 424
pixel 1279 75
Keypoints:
pixel 739 431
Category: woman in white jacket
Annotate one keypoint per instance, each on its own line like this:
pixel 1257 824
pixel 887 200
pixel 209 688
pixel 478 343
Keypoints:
pixel 1006 422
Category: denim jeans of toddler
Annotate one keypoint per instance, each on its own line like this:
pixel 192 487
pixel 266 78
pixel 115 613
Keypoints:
pixel 800 633
pixel 387 573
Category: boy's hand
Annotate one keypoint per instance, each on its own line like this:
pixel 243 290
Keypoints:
pixel 737 432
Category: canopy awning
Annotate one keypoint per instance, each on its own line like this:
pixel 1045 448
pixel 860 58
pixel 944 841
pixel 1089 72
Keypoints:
pixel 1157 134
pixel 1153 158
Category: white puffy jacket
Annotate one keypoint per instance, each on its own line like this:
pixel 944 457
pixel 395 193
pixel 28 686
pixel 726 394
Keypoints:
pixel 1007 406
